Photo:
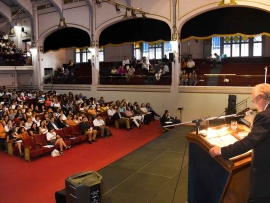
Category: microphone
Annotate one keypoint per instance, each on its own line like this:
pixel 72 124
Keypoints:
pixel 243 112
pixel 249 112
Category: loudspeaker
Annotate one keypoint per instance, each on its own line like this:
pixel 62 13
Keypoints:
pixel 171 56
pixel 85 187
pixel 232 102
pixel 60 196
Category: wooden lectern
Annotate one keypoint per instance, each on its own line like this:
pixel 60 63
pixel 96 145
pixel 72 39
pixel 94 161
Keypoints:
pixel 216 180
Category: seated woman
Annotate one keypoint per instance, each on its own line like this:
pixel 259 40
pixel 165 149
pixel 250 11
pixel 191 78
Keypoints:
pixel 43 127
pixel 69 121
pixel 147 118
pixel 34 130
pixel 103 108
pixel 92 113
pixel 150 109
pixel 145 111
pixel 192 78
pixel 76 119
pixel 183 64
pixel 54 139
pixel 16 139
pixel 114 71
pixel 122 70
pixel 159 73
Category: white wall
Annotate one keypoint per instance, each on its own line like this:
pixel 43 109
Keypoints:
pixel 266 46
pixel 69 55
pixel 52 60
pixel 117 53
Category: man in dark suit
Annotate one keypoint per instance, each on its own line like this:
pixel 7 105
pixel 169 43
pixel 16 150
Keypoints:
pixel 122 120
pixel 60 123
pixel 86 129
pixel 258 140
pixel 52 124
pixel 166 119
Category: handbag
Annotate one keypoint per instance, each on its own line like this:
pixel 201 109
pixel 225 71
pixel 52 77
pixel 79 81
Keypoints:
pixel 55 152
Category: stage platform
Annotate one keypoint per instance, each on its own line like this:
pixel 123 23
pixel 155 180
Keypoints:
pixel 150 174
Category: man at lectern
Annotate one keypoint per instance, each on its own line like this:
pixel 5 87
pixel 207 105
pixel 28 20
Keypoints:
pixel 258 140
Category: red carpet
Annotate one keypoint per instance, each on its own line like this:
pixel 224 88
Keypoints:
pixel 37 181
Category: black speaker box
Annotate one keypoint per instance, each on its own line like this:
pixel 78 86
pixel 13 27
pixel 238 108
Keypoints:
pixel 171 56
pixel 232 102
pixel 60 196
pixel 84 187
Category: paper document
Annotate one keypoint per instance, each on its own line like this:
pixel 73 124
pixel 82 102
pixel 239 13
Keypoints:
pixel 48 146
pixel 222 141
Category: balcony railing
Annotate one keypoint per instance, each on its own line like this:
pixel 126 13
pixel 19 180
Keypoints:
pixel 202 80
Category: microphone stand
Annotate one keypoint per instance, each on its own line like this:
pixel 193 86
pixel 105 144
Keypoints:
pixel 198 121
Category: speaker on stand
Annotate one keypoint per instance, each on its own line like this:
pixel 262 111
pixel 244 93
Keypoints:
pixel 231 108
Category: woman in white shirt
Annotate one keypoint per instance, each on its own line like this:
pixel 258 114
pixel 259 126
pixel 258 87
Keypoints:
pixel 56 140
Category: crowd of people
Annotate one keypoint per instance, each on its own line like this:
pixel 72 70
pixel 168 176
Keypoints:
pixel 188 76
pixel 8 49
pixel 27 113
pixel 128 68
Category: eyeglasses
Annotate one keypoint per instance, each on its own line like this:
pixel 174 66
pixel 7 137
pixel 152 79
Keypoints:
pixel 253 100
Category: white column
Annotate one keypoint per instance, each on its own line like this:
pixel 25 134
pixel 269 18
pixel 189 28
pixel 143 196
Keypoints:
pixel 176 64
pixel 36 55
pixel 95 66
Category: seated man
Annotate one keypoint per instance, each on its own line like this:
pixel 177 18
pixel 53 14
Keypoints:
pixel 122 120
pixel 216 60
pixel 130 73
pixel 137 119
pixel 100 124
pixel 111 111
pixel 166 119
pixel 86 129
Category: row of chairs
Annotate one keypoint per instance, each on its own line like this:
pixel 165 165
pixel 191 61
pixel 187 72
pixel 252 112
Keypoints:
pixel 38 145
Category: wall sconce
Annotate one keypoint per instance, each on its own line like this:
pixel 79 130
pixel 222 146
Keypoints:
pixel 117 8
pixel 33 44
pixel 92 43
pixel 40 49
pixel 125 16
pixel 174 36
pixel 62 23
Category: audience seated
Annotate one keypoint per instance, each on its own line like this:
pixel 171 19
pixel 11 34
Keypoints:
pixel 29 118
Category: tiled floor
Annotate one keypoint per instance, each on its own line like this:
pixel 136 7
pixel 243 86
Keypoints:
pixel 151 173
